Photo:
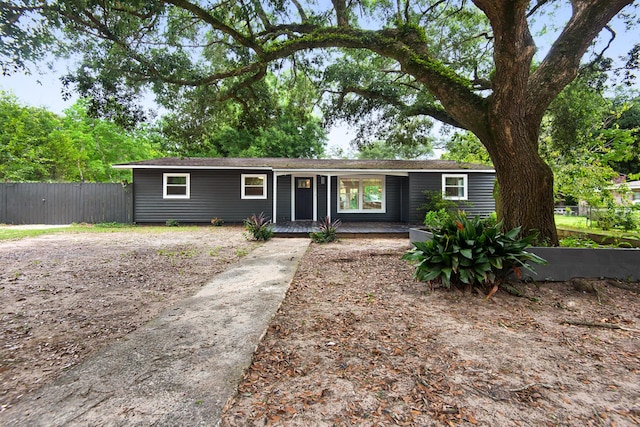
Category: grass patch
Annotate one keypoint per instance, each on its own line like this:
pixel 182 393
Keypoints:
pixel 577 222
pixel 13 233
pixel 583 225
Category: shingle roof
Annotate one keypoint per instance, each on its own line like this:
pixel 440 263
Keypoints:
pixel 301 164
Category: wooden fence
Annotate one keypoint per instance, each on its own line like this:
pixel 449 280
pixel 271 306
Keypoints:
pixel 44 203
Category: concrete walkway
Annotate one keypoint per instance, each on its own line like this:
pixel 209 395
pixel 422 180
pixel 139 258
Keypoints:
pixel 181 368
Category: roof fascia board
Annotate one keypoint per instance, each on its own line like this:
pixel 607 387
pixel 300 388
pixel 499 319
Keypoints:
pixel 267 168
pixel 378 171
pixel 307 170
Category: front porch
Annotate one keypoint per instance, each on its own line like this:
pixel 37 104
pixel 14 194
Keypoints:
pixel 346 229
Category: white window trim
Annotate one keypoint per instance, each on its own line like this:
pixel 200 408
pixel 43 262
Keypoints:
pixel 243 185
pixel 176 196
pixel 361 195
pixel 465 183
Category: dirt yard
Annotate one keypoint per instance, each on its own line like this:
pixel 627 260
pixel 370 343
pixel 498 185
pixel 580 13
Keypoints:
pixel 64 296
pixel 356 341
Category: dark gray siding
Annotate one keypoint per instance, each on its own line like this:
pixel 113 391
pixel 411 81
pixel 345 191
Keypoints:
pixel 481 201
pixel 214 193
pixel 480 193
pixel 284 198
pixel 65 203
pixel 405 200
pixel 322 196
pixel 393 197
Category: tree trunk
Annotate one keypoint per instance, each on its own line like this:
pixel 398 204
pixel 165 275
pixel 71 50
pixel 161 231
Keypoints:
pixel 525 180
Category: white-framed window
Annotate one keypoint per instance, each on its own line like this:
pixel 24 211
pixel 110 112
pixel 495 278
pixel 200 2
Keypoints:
pixel 176 185
pixel 361 194
pixel 254 186
pixel 454 186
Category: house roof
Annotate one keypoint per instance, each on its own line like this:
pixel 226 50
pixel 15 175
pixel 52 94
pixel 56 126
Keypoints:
pixel 284 164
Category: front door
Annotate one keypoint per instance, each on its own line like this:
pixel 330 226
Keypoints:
pixel 304 198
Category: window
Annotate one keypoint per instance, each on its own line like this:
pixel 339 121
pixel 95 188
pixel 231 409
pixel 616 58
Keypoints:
pixel 361 194
pixel 454 187
pixel 254 186
pixel 304 183
pixel 176 186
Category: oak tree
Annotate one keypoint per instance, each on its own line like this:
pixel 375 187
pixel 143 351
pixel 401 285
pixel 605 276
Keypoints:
pixel 470 61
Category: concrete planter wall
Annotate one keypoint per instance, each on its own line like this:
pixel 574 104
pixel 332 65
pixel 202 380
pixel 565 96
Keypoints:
pixel 565 263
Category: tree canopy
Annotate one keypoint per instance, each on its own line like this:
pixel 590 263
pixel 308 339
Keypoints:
pixel 38 145
pixel 469 64
pixel 279 122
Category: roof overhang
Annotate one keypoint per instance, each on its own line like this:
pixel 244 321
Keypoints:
pixel 319 171
pixel 263 168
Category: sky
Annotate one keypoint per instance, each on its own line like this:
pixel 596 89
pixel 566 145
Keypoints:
pixel 44 90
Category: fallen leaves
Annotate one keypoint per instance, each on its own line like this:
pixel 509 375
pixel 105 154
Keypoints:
pixel 380 349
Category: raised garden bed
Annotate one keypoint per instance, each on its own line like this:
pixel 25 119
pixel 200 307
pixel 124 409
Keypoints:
pixel 565 263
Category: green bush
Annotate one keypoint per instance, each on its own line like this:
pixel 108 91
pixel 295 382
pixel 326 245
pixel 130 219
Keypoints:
pixel 434 220
pixel 258 227
pixel 471 252
pixel 172 223
pixel 616 217
pixel 578 242
pixel 327 232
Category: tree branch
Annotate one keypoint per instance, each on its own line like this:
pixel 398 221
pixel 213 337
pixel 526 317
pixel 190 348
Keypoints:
pixel 340 6
pixel 588 19
pixel 303 15
pixel 217 24
pixel 409 110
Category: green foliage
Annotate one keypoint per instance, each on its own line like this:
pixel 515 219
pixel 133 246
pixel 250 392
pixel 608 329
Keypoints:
pixel 439 210
pixel 172 223
pixel 466 147
pixel 471 252
pixel 379 150
pixel 436 201
pixel 112 225
pixel 327 231
pixel 258 227
pixel 615 217
pixel 435 220
pixel 217 222
pixel 37 145
pixel 582 141
pixel 578 242
pixel 278 121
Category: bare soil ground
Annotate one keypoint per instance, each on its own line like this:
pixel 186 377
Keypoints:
pixel 64 296
pixel 356 342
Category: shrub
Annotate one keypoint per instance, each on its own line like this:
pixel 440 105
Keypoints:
pixel 172 223
pixel 578 242
pixel 434 220
pixel 435 202
pixel 327 231
pixel 471 252
pixel 258 227
pixel 217 222
pixel 616 217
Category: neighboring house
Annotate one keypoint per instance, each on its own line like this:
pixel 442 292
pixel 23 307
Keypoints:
pixel 634 186
pixel 630 196
pixel 196 190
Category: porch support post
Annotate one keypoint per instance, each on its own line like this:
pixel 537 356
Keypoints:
pixel 275 197
pixel 329 197
pixel 315 198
